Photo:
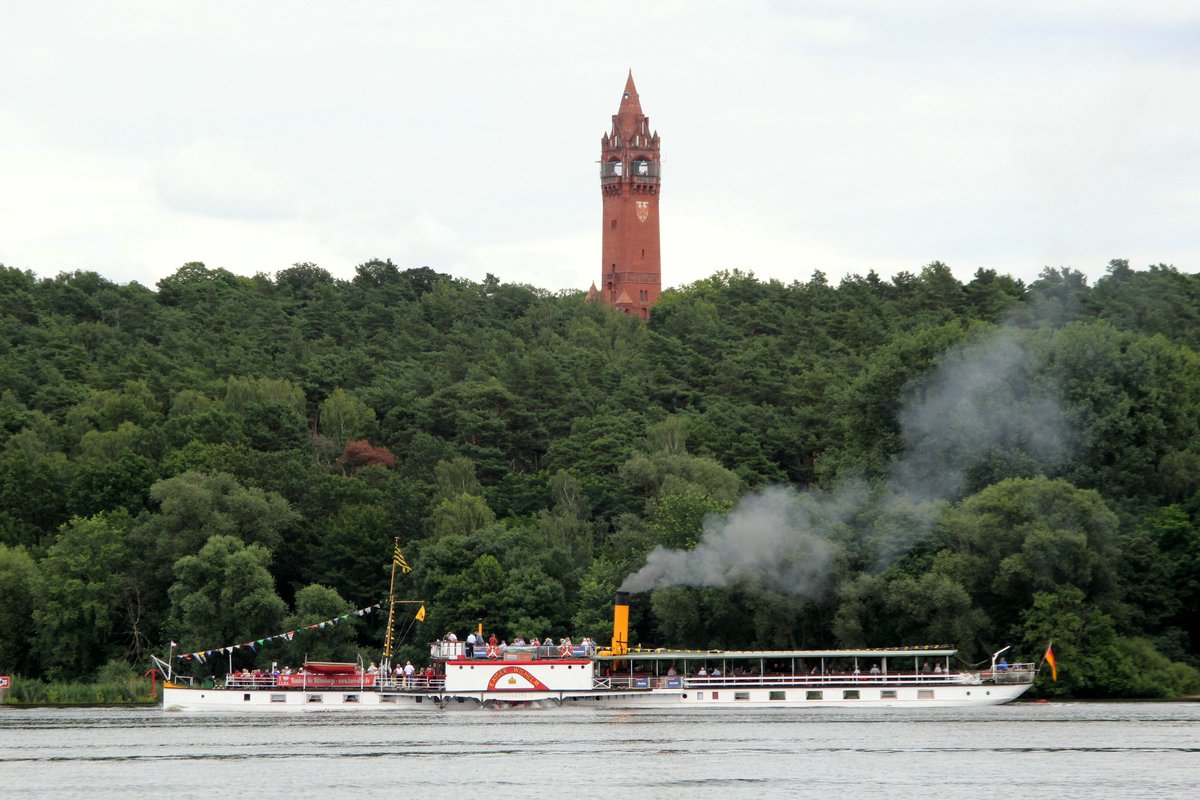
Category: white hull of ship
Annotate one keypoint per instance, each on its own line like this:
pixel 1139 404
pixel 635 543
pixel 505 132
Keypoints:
pixel 806 697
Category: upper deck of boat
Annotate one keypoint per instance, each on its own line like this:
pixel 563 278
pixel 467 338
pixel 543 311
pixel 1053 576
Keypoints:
pixel 666 654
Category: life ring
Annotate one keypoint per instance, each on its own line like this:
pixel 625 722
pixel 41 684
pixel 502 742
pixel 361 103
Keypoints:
pixel 564 651
pixel 493 651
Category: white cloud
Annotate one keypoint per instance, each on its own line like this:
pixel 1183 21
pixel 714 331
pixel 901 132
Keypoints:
pixel 220 177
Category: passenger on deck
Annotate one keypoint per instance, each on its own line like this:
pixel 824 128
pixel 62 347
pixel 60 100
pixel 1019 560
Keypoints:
pixel 519 641
pixel 534 642
pixel 716 672
pixel 874 669
pixel 937 669
pixel 372 670
pixel 702 673
pixel 1002 664
pixel 503 647
pixel 471 645
pixel 671 673
pixel 450 636
pixel 492 641
pixel 925 668
pixel 408 673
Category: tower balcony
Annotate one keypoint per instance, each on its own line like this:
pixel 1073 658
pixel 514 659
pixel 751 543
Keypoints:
pixel 639 170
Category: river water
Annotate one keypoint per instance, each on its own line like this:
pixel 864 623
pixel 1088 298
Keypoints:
pixel 1026 750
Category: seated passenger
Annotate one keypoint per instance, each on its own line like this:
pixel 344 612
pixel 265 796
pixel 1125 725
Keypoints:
pixel 716 672
pixel 1002 664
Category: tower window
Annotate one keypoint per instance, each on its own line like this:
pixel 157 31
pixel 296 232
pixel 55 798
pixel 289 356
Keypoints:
pixel 614 268
pixel 613 224
pixel 643 252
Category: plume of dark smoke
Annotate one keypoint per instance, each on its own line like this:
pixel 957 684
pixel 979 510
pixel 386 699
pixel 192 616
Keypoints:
pixel 986 412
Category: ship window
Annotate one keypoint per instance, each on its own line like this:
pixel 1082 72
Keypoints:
pixel 887 694
pixel 699 695
pixel 716 695
pixel 246 697
pixel 924 694
pixel 350 698
pixel 387 698
pixel 813 695
pixel 779 695
pixel 850 694
pixel 279 698
pixel 741 695
pixel 315 698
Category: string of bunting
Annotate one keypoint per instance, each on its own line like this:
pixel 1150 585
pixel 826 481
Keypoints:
pixel 254 644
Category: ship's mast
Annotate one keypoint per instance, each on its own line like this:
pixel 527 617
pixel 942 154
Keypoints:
pixel 397 559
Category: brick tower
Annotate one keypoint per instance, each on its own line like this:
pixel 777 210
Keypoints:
pixel 630 176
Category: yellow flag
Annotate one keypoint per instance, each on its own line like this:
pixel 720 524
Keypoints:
pixel 398 560
pixel 421 614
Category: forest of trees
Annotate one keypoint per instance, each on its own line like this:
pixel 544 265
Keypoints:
pixel 874 463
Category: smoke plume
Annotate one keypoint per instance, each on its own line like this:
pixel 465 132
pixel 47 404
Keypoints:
pixel 987 412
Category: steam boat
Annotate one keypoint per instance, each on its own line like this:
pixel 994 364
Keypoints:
pixel 623 677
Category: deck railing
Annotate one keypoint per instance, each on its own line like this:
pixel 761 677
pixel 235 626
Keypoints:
pixel 847 679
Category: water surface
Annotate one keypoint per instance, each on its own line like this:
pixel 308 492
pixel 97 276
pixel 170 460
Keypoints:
pixel 1094 750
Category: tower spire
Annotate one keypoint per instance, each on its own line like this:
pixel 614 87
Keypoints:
pixel 630 111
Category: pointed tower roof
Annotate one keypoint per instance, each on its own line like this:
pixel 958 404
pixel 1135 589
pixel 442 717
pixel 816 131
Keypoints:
pixel 630 112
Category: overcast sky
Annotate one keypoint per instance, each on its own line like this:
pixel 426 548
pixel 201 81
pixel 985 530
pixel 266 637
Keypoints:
pixel 463 136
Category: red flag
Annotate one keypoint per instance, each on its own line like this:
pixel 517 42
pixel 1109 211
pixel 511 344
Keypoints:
pixel 1049 659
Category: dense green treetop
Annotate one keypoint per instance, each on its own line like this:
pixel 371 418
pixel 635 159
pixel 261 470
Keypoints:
pixel 223 458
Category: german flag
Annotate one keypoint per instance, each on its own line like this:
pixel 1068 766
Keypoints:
pixel 1049 659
